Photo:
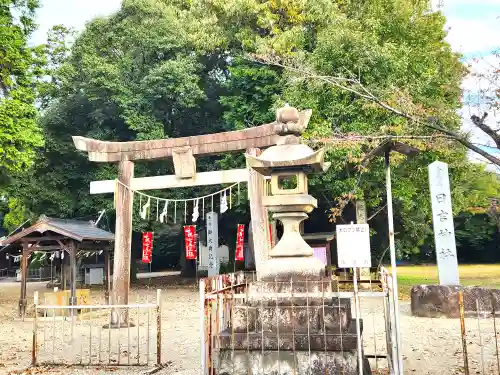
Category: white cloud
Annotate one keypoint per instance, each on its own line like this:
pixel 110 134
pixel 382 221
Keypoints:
pixel 482 80
pixel 473 36
pixel 71 13
pixel 450 4
pixel 474 27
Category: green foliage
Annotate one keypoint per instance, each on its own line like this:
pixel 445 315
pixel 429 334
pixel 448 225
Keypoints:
pixel 397 51
pixel 20 67
pixel 480 225
pixel 16 214
pixel 171 68
pixel 36 261
pixel 251 93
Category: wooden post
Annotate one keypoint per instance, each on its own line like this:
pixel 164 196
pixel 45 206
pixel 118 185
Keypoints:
pixel 260 221
pixel 63 270
pixel 123 235
pixel 107 276
pixel 24 277
pixel 364 273
pixel 72 262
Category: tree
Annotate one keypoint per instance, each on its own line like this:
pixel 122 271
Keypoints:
pixel 367 70
pixel 143 73
pixel 131 76
pixel 20 70
pixel 20 67
pixel 485 101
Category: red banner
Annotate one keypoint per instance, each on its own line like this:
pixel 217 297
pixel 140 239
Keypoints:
pixel 271 235
pixel 147 246
pixel 240 239
pixel 190 241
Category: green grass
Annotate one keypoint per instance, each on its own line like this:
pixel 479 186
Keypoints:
pixel 487 275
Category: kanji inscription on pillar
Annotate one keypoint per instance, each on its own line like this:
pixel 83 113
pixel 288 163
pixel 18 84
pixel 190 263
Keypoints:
pixel 212 243
pixel 442 218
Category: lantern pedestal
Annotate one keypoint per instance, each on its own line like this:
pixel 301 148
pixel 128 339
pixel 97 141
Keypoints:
pixel 290 327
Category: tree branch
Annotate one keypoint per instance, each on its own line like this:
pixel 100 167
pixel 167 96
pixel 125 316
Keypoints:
pixel 377 212
pixel 360 90
pixel 479 122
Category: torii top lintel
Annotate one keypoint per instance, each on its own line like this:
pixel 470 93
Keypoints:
pixel 288 121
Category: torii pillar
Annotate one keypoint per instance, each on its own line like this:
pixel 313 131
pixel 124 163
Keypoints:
pixel 123 234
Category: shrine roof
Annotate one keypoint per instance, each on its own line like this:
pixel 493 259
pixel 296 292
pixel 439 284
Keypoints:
pixel 73 229
pixel 326 236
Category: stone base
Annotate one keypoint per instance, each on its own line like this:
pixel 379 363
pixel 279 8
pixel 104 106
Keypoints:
pixel 290 363
pixel 296 268
pixel 319 341
pixel 288 326
pixel 442 301
pixel 298 319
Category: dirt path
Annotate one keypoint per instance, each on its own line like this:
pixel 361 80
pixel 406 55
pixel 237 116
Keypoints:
pixel 430 346
pixel 180 334
pixel 433 345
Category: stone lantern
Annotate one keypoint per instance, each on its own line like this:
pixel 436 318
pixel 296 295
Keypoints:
pixel 288 164
pixel 273 330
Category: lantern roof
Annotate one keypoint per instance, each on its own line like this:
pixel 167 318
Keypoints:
pixel 290 157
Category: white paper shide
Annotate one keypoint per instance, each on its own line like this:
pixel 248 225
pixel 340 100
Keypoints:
pixel 442 217
pixel 353 246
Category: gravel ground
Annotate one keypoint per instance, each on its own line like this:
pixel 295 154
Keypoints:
pixel 180 335
pixel 433 345
pixel 430 346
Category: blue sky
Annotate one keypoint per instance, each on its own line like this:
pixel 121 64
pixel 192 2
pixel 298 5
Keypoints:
pixel 474 29
pixel 474 25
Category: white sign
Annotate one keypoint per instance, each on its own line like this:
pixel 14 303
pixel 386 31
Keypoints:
pixel 212 243
pixel 353 246
pixel 442 218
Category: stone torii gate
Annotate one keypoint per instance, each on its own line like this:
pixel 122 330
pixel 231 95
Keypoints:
pixel 183 151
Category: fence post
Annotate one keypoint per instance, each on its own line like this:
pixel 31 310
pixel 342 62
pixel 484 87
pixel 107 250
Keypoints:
pixel 463 332
pixel 493 310
pixel 158 327
pixel 394 327
pixel 35 328
pixel 202 326
pixel 358 326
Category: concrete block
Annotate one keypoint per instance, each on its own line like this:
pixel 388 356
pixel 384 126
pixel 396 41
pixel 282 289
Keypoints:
pixel 442 301
pixel 290 363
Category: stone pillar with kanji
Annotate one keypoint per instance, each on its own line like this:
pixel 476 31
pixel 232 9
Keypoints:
pixel 212 243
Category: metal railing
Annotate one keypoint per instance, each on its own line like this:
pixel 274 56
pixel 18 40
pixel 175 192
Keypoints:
pixel 39 274
pixel 98 334
pixel 479 336
pixel 253 326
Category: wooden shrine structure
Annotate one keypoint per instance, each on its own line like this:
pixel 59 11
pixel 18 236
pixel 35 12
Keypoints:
pixel 68 236
pixel 183 152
